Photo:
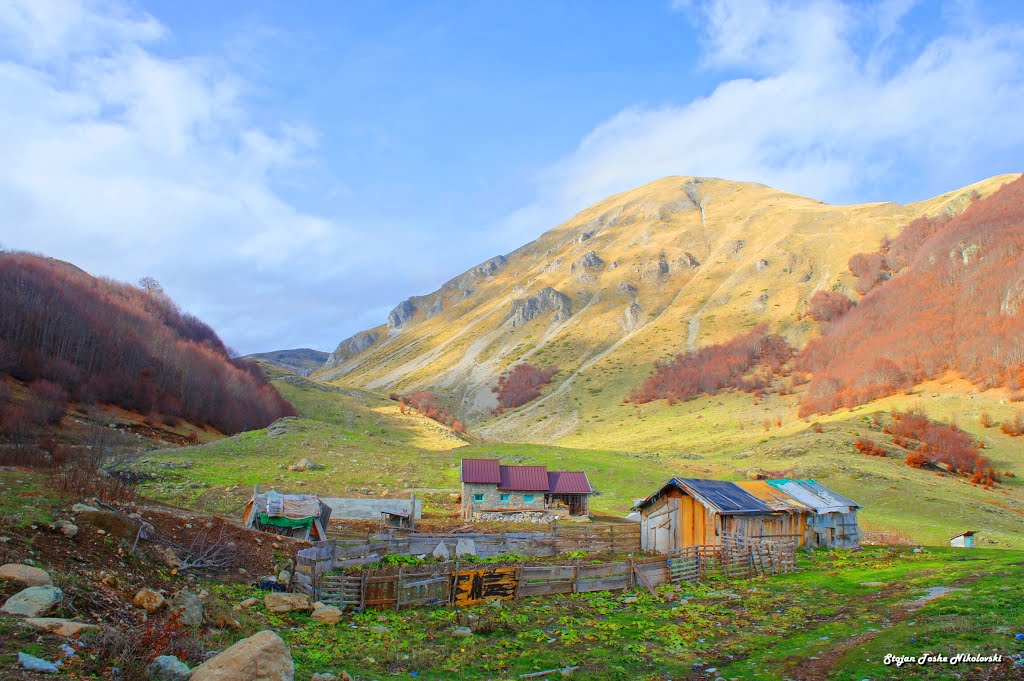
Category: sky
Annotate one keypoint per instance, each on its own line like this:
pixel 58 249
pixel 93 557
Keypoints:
pixel 290 172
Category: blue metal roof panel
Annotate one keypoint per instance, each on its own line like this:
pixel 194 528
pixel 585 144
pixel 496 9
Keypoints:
pixel 724 496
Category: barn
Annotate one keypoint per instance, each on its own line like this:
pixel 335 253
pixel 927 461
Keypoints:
pixel 695 512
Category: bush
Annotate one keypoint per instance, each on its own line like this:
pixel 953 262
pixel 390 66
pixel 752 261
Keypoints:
pixel 869 448
pixel 1015 426
pixel 521 384
pixel 916 460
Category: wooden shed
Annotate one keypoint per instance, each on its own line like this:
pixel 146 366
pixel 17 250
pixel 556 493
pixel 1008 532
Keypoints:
pixel 693 512
pixel 832 520
pixel 964 540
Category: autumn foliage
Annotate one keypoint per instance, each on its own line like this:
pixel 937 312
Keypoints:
pixel 869 448
pixel 747 362
pixel 828 306
pixel 946 294
pixel 938 443
pixel 70 337
pixel 426 404
pixel 521 385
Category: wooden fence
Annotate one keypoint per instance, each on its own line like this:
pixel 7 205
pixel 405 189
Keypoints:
pixel 459 583
pixel 353 552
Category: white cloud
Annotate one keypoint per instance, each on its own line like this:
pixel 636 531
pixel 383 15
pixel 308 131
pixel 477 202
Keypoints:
pixel 818 105
pixel 128 164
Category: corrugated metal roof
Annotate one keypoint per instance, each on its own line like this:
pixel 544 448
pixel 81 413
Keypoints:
pixel 815 495
pixel 568 482
pixel 524 478
pixel 481 471
pixel 773 497
pixel 722 495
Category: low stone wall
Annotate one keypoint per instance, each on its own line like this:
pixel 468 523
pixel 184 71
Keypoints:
pixel 355 508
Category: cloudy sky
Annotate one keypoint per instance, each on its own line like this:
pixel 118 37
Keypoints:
pixel 291 171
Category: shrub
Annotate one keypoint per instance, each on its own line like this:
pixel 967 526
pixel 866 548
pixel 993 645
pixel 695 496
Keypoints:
pixel 827 306
pixel 869 448
pixel 521 385
pixel 985 420
pixel 1015 426
pixel 916 460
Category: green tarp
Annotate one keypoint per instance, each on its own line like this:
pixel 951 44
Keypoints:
pixel 281 521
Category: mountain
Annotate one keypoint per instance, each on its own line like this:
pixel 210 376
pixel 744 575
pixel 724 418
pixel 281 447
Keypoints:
pixel 301 361
pixel 675 265
pixel 70 339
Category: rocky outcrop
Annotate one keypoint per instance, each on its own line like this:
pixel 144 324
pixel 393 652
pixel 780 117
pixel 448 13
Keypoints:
pixel 547 300
pixel 261 657
pixel 168 668
pixel 287 602
pixel 25 575
pixel 329 614
pixel 189 607
pixel 402 313
pixel 350 347
pixel 633 316
pixel 149 600
pixel 60 627
pixel 35 601
pixel 589 260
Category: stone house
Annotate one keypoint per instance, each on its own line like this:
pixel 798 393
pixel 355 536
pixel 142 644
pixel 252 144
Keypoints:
pixel 491 491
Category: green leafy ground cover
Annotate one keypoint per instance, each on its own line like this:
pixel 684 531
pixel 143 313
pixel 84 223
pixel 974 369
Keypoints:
pixel 822 622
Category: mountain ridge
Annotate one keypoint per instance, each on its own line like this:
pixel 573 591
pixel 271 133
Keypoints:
pixel 633 279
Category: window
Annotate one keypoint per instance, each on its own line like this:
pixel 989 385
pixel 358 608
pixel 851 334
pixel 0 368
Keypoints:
pixel 527 498
pixel 478 497
pixel 505 497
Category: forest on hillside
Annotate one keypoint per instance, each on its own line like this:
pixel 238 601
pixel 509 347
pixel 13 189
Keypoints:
pixel 70 337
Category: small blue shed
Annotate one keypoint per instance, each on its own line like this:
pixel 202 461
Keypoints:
pixel 964 540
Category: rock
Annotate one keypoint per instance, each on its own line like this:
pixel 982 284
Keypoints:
pixel 61 627
pixel 35 601
pixel 25 574
pixel 462 631
pixel 261 657
pixel 465 547
pixel 35 664
pixel 380 629
pixel 874 584
pixel 168 668
pixel 249 602
pixel 149 600
pixel 68 529
pixel 329 614
pixel 629 599
pixel 441 551
pixel 83 508
pixel 113 523
pixel 168 557
pixel 190 607
pixel 224 622
pixel 304 465
pixel 323 676
pixel 287 602
pixel 284 577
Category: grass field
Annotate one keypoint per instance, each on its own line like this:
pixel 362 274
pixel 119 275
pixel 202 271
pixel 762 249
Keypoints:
pixel 837 618
pixel 367 447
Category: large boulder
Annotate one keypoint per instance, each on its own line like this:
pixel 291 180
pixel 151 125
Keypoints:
pixel 68 529
pixel 25 574
pixel 304 465
pixel 261 657
pixel 112 523
pixel 329 614
pixel 148 600
pixel 35 601
pixel 287 602
pixel 168 668
pixel 189 607
pixel 60 627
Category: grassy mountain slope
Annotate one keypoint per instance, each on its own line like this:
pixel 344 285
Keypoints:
pixel 301 361
pixel 368 447
pixel 672 265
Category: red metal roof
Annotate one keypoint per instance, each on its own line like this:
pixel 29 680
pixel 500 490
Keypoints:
pixel 524 478
pixel 481 471
pixel 568 482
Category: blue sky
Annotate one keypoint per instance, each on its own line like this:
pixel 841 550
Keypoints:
pixel 291 171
